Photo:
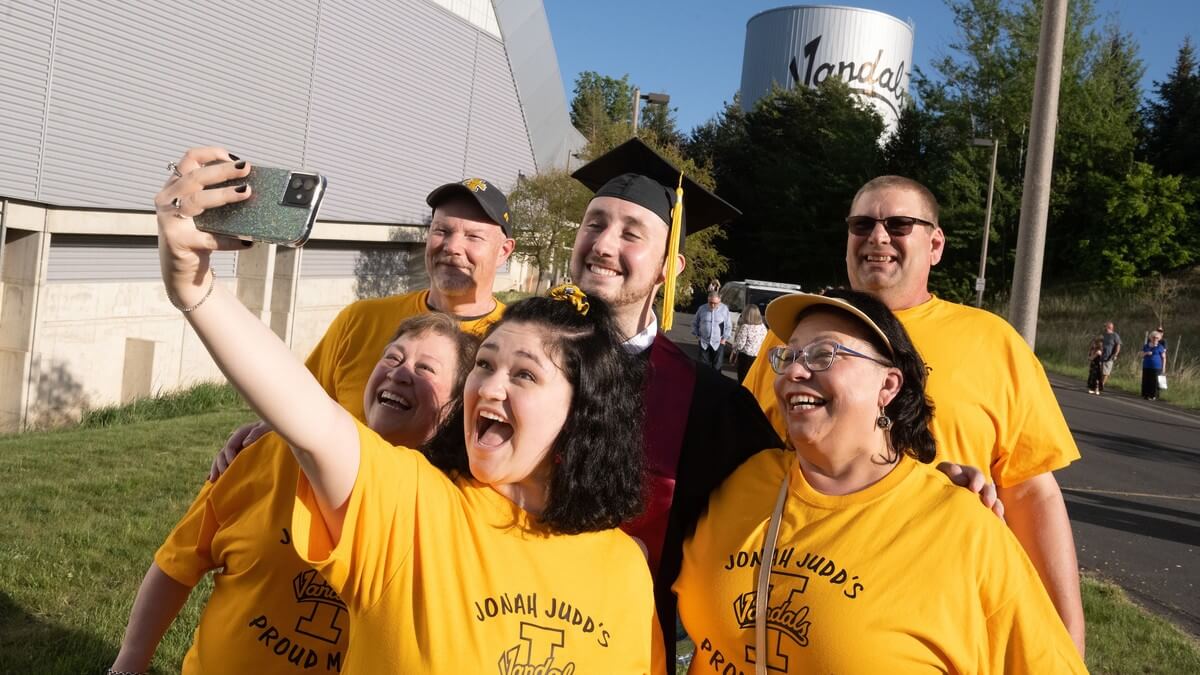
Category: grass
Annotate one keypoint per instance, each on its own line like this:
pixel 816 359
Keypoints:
pixel 1122 638
pixel 199 398
pixel 85 508
pixel 509 297
pixel 1069 317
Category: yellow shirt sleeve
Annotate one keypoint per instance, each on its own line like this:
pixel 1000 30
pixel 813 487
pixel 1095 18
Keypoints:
pixel 1024 631
pixel 186 555
pixel 378 530
pixel 760 380
pixel 1036 438
pixel 323 359
pixel 993 405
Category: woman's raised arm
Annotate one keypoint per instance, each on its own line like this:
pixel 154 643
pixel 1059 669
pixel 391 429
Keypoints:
pixel 271 379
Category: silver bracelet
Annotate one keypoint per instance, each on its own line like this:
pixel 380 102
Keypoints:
pixel 185 310
pixel 125 672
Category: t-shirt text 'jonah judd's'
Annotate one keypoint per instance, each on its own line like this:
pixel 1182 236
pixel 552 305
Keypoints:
pixel 887 85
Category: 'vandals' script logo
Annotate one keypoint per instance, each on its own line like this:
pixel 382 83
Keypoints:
pixel 322 622
pixel 534 654
pixel 788 619
pixel 866 78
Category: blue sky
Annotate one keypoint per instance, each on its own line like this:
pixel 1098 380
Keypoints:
pixel 692 49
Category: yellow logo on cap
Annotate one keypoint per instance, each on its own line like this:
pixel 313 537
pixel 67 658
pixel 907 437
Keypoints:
pixel 475 184
pixel 506 216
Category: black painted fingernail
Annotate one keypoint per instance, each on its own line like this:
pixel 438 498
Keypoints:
pixel 247 243
pixel 241 188
pixel 240 165
pixel 233 157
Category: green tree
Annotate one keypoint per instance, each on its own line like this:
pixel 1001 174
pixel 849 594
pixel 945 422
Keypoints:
pixel 658 122
pixel 546 211
pixel 1146 230
pixel 599 103
pixel 984 89
pixel 1173 138
pixel 791 164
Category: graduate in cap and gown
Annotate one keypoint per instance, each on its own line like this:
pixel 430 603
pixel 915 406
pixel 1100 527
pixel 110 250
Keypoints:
pixel 699 424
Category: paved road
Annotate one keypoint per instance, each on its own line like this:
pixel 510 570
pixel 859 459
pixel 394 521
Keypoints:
pixel 1133 498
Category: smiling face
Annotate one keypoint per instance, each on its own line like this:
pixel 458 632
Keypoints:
pixel 464 248
pixel 407 392
pixel 619 253
pixel 831 414
pixel 894 269
pixel 515 403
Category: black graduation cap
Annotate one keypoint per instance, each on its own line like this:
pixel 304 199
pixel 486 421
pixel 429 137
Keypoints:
pixel 633 171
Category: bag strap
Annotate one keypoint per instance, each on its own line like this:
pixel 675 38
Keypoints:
pixel 762 594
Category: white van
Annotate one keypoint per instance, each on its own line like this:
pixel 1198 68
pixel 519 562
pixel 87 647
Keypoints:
pixel 737 294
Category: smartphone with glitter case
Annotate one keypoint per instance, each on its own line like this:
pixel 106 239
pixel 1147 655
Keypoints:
pixel 281 209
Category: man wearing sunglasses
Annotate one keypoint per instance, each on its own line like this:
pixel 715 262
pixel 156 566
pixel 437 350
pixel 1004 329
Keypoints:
pixel 994 408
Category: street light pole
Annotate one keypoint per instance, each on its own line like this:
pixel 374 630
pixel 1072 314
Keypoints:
pixel 638 97
pixel 981 280
pixel 1035 195
pixel 637 101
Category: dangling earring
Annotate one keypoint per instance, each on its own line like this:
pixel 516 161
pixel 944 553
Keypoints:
pixel 883 421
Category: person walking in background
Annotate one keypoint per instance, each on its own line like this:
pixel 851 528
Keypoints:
pixel 747 340
pixel 1112 348
pixel 1154 361
pixel 1095 365
pixel 713 326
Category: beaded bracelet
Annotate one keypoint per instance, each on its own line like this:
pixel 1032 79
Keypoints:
pixel 185 310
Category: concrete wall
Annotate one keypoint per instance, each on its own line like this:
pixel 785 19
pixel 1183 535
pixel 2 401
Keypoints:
pixel 66 346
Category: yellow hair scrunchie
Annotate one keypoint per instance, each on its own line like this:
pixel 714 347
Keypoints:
pixel 571 293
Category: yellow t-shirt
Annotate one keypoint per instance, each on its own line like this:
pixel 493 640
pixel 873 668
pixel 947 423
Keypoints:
pixel 446 576
pixel 344 358
pixel 910 575
pixel 993 406
pixel 269 612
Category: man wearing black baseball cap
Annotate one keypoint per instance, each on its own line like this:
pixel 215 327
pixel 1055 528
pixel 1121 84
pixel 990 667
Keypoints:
pixel 469 238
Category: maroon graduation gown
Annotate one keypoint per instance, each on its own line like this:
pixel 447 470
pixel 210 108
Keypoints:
pixel 699 427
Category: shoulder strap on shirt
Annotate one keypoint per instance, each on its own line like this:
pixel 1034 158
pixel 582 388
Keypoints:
pixel 763 592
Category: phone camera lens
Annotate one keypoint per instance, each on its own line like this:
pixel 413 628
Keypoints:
pixel 296 183
pixel 310 183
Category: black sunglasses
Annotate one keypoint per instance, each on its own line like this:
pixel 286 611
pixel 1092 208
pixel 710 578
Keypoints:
pixel 896 226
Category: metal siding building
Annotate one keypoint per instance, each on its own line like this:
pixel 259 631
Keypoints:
pixel 804 45
pixel 387 98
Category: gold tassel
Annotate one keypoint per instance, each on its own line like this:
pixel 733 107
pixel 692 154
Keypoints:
pixel 668 308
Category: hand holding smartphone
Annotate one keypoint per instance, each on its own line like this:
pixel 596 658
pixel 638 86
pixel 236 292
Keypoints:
pixel 282 207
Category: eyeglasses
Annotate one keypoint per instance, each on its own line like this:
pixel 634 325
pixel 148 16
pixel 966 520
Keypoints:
pixel 817 356
pixel 896 226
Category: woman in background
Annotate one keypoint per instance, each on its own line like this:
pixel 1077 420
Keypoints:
pixel 747 340
pixel 1095 365
pixel 1154 361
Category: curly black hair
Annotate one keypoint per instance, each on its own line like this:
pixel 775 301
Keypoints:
pixel 596 480
pixel 910 411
